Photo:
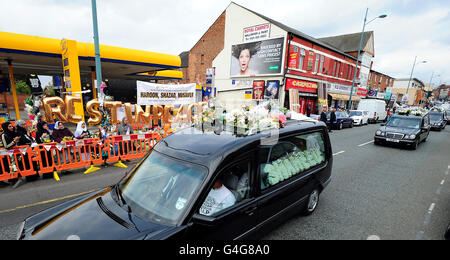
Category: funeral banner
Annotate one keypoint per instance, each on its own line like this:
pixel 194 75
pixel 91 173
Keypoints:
pixel 159 94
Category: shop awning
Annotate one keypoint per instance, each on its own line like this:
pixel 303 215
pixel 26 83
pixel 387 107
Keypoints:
pixel 345 97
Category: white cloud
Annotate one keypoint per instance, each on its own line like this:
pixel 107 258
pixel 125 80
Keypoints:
pixel 412 27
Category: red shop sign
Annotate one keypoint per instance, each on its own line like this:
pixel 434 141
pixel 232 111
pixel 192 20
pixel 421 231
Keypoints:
pixel 362 92
pixel 301 85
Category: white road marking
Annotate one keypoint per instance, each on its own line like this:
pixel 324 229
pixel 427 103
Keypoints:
pixel 430 209
pixel 373 237
pixel 442 182
pixel 338 153
pixel 366 143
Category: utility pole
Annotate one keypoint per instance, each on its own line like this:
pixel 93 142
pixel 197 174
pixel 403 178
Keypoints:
pixel 98 66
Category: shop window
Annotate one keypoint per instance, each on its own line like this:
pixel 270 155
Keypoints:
pixel 338 69
pixel 349 73
pixel 302 58
pixel 334 68
pixel 322 58
pixel 316 64
pixel 290 157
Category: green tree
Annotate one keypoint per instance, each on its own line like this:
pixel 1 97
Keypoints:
pixel 22 87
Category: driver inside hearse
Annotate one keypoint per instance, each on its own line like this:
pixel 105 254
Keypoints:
pixel 219 198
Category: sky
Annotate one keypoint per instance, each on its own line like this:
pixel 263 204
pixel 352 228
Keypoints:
pixel 412 27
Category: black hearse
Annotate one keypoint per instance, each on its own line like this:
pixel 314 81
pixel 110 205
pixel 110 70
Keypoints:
pixel 438 120
pixel 407 130
pixel 202 185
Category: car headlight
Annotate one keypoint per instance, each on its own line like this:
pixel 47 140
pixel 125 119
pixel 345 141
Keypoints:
pixel 380 133
pixel 412 137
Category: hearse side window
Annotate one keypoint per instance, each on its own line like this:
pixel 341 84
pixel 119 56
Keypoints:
pixel 290 157
pixel 230 188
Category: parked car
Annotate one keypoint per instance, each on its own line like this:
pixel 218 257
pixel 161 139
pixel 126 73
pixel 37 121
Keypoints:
pixel 342 120
pixel 360 117
pixel 202 185
pixel 376 108
pixel 447 114
pixel 405 130
pixel 438 120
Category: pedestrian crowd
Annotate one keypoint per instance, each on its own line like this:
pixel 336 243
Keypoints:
pixel 20 135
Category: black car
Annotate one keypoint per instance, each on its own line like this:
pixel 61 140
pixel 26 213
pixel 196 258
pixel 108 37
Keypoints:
pixel 447 114
pixel 438 120
pixel 202 185
pixel 342 120
pixel 407 130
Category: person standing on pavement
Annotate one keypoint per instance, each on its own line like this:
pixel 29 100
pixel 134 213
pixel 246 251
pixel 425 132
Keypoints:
pixel 9 140
pixel 22 132
pixel 308 111
pixel 332 117
pixel 323 117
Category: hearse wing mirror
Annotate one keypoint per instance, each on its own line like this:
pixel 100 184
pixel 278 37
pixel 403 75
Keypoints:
pixel 204 220
pixel 383 124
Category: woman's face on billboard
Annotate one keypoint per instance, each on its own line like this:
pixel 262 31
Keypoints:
pixel 244 59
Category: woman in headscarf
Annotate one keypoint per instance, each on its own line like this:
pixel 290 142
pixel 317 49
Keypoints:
pixel 82 131
pixel 22 131
pixel 9 136
pixel 60 132
pixel 124 128
pixel 9 140
pixel 58 135
pixel 42 133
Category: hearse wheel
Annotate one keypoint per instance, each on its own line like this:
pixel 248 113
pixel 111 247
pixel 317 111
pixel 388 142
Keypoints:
pixel 313 201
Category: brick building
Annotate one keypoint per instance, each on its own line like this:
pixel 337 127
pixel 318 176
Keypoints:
pixel 199 58
pixel 379 81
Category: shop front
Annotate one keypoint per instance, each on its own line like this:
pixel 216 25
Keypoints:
pixel 302 94
pixel 339 96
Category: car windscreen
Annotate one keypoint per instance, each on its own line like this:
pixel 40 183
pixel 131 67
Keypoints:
pixel 341 114
pixel 355 113
pixel 401 122
pixel 434 117
pixel 161 188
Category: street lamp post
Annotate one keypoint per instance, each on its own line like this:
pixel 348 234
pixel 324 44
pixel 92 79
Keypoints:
pixel 98 66
pixel 359 51
pixel 410 77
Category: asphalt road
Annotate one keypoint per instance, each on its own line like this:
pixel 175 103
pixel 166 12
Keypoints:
pixel 380 192
pixel 377 192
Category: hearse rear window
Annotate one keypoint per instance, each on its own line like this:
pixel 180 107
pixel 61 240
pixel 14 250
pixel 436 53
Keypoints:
pixel 290 157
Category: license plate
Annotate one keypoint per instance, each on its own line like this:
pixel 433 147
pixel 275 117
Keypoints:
pixel 392 140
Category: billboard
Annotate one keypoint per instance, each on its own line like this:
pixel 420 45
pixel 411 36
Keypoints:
pixel 258 58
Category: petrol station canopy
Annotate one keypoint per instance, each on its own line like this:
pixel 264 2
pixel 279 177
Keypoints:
pixel 43 56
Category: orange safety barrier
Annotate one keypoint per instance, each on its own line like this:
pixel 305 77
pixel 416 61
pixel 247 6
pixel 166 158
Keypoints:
pixel 53 157
pixel 16 161
pixel 129 147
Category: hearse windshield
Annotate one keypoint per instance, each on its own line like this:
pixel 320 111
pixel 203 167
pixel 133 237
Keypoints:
pixel 355 113
pixel 401 122
pixel 161 189
pixel 435 117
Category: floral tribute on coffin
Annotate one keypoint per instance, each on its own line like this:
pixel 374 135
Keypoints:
pixel 415 111
pixel 245 119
